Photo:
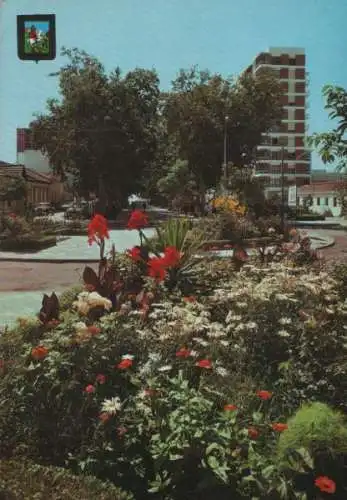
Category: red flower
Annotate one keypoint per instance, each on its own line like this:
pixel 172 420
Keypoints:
pixel 230 408
pixel 12 216
pixel 264 395
pixel 240 254
pixel 279 427
pixel 89 389
pixel 89 288
pixel 253 433
pixel 325 484
pixel 134 254
pixel 94 330
pixel 183 353
pixel 100 378
pixel 204 363
pixel 104 417
pixel 157 268
pixel 97 229
pixel 137 220
pixel 125 363
pixel 39 352
pixel 191 298
pixel 171 256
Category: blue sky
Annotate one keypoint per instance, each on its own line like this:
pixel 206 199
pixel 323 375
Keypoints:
pixel 40 25
pixel 221 35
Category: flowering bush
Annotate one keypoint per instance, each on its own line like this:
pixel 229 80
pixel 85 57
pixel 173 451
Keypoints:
pixel 229 204
pixel 178 395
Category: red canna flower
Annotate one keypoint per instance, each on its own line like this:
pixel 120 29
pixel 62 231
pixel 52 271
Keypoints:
pixel 157 268
pixel 94 330
pixel 204 363
pixel 230 408
pixel 97 229
pixel 39 352
pixel 325 484
pixel 137 220
pixel 279 427
pixel 100 378
pixel 89 389
pixel 104 417
pixel 253 433
pixel 134 254
pixel 191 298
pixel 171 256
pixel 125 363
pixel 264 395
pixel 183 353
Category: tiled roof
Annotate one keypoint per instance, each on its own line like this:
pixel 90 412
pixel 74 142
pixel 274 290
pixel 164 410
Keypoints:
pixel 319 187
pixel 32 176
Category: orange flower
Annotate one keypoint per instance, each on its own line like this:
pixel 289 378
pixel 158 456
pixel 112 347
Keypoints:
pixel 264 395
pixel 125 363
pixel 230 408
pixel 204 363
pixel 39 352
pixel 253 433
pixel 104 417
pixel 100 378
pixel 279 427
pixel 89 389
pixel 94 330
pixel 97 229
pixel 137 220
pixel 325 484
pixel 183 353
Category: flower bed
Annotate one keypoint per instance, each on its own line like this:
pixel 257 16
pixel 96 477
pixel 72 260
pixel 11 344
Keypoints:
pixel 177 377
pixel 27 243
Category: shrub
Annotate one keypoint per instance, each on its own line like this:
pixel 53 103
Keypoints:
pixel 23 243
pixel 68 297
pixel 21 479
pixel 317 428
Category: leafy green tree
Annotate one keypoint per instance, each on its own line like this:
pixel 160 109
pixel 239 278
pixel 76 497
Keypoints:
pixel 332 146
pixel 178 182
pixel 196 111
pixel 103 130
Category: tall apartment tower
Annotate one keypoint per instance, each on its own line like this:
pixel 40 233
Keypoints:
pixel 289 65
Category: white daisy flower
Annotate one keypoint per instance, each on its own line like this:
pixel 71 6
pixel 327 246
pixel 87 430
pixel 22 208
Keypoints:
pixel 111 405
pixel 164 368
pixel 283 333
pixel 285 321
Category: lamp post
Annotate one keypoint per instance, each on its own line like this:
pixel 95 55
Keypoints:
pixel 225 159
pixel 282 190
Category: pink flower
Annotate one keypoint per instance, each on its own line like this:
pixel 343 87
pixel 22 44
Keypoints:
pixel 89 389
pixel 100 378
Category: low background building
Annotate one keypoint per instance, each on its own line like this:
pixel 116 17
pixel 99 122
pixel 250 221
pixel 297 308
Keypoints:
pixel 324 197
pixel 41 188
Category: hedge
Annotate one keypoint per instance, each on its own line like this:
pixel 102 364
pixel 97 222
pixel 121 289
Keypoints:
pixel 27 243
pixel 25 480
